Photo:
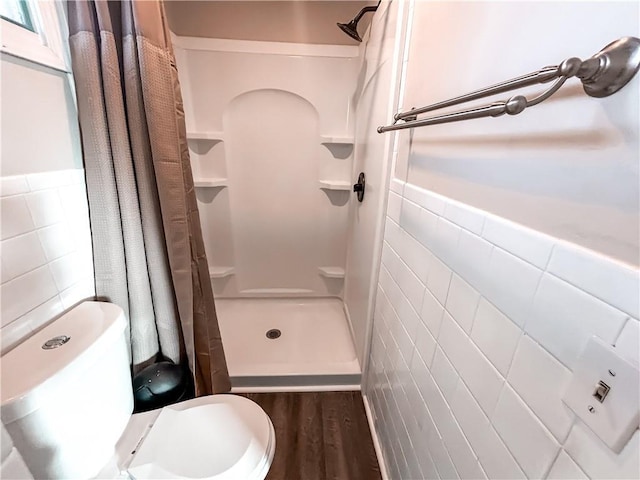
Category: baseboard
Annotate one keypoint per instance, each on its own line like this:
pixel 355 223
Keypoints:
pixel 376 441
pixel 299 388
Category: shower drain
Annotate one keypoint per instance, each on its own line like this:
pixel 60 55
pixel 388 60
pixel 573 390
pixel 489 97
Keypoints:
pixel 273 333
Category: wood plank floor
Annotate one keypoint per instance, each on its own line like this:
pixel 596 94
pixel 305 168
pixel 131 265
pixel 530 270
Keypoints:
pixel 319 436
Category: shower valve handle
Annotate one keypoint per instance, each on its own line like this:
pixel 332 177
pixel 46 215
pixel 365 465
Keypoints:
pixel 359 187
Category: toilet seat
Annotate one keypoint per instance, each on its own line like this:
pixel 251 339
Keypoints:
pixel 213 437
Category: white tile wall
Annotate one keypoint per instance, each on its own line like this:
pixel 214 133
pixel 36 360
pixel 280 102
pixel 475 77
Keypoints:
pixel 468 384
pixel 47 263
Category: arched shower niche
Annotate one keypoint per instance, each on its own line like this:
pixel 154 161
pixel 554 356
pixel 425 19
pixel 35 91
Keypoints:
pixel 271 144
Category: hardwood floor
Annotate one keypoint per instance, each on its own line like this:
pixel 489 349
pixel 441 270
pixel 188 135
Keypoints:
pixel 319 436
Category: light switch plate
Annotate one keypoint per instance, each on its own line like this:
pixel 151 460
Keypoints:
pixel 617 417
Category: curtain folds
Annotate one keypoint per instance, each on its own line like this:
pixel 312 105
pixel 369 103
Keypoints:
pixel 148 248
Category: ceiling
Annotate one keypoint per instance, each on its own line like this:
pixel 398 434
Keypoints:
pixel 296 21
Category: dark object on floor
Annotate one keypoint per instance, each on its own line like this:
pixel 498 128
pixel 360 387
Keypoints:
pixel 160 384
pixel 319 436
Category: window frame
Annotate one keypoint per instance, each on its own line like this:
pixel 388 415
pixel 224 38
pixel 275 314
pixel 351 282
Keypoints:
pixel 45 46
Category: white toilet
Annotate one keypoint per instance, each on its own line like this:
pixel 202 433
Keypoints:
pixel 67 403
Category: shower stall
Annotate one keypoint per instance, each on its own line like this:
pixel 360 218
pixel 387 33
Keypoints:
pixel 270 128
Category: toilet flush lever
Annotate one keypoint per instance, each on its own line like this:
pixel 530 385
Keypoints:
pixel 602 390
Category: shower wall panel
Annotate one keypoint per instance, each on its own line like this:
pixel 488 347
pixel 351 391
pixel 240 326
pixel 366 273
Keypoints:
pixel 271 142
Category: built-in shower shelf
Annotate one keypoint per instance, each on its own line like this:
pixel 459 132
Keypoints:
pixel 221 272
pixel 208 136
pixel 334 185
pixel 336 140
pixel 210 182
pixel 332 272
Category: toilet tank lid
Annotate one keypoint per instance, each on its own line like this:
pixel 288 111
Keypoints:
pixel 31 369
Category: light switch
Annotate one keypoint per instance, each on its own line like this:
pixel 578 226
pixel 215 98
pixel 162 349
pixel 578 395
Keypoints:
pixel 605 393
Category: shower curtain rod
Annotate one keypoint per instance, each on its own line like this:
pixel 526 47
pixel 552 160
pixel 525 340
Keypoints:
pixel 602 75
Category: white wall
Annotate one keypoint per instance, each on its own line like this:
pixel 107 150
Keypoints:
pixel 479 319
pixel 47 263
pixel 375 102
pixel 39 122
pixel 283 115
pixel 568 167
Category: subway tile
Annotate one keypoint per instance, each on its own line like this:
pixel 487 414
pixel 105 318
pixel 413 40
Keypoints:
pixel 410 285
pixel 45 207
pixel 443 242
pixel 52 179
pixel 425 343
pixel 628 343
pixel 392 233
pixel 438 280
pixel 426 199
pixel 406 444
pixel 57 240
pixel 541 381
pixel 20 255
pixel 612 282
pixel 13 334
pixel 424 234
pixel 419 442
pixel 402 339
pixel 411 219
pixel 431 313
pixel 389 286
pixel 441 458
pixel 462 302
pixel 457 447
pixel 73 199
pixel 13 185
pixel 444 374
pixel 494 456
pixel 25 293
pixel 66 270
pixel 532 445
pixel 511 285
pixel 77 176
pixel 43 314
pixel 394 206
pixel 564 468
pixel 407 315
pixel 84 289
pixel 463 456
pixel 482 379
pixel 472 259
pixel 465 216
pixel 415 255
pixel 15 215
pixel 397 186
pixel 597 460
pixel 529 245
pixel 390 260
pixel 563 318
pixel 495 335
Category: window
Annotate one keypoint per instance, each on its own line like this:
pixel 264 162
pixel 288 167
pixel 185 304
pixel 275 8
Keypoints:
pixel 34 30
pixel 17 11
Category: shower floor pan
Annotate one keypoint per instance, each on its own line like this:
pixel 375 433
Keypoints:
pixel 314 350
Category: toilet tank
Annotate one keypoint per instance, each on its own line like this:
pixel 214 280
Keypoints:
pixel 66 392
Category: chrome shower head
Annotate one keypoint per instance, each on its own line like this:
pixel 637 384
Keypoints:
pixel 351 28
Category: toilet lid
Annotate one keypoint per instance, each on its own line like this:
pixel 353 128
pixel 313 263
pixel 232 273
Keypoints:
pixel 214 437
